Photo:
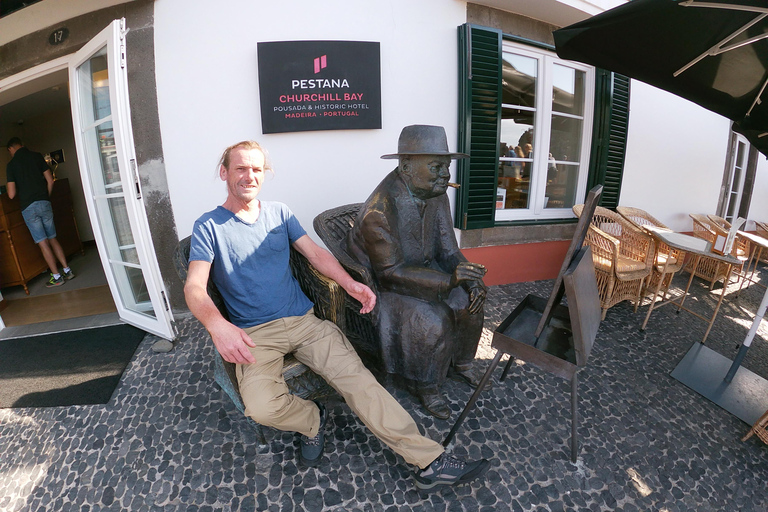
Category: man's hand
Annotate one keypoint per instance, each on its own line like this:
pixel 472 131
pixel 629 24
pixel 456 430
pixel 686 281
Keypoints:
pixel 232 343
pixel 363 294
pixel 467 272
pixel 323 261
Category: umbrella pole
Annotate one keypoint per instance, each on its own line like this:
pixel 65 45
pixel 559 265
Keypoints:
pixel 748 340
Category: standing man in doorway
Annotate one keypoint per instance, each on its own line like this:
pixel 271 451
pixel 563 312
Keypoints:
pixel 29 176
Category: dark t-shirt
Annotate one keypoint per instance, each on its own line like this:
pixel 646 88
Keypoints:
pixel 26 169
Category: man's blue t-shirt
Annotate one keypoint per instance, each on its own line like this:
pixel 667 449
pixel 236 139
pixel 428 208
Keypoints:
pixel 250 262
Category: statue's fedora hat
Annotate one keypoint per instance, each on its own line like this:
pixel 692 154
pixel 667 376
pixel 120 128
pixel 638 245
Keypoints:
pixel 420 139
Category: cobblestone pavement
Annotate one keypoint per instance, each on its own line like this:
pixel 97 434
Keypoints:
pixel 169 440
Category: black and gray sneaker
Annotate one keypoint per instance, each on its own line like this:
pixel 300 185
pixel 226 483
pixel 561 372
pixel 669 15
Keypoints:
pixel 312 447
pixel 52 281
pixel 448 470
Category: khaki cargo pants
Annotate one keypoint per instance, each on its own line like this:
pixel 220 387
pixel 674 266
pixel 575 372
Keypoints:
pixel 321 346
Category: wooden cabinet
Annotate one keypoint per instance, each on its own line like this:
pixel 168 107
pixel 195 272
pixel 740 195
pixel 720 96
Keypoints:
pixel 64 218
pixel 20 258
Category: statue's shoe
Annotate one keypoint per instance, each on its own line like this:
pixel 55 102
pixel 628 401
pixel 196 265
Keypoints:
pixel 469 376
pixel 436 405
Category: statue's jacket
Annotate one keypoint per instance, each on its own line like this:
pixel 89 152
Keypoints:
pixel 410 247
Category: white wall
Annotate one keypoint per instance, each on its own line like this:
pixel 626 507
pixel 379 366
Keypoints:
pixel 758 208
pixel 208 95
pixel 675 159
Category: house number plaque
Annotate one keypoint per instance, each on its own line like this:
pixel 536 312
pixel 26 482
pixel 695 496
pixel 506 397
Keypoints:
pixel 58 36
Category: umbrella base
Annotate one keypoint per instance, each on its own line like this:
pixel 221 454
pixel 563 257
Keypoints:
pixel 704 370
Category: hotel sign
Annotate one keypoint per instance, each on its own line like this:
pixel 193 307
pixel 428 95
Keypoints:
pixel 319 85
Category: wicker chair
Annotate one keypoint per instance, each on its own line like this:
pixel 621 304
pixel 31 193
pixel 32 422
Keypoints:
pixel 332 227
pixel 674 259
pixel 623 256
pixel 328 297
pixel 708 269
pixel 760 429
pixel 740 245
pixel 761 229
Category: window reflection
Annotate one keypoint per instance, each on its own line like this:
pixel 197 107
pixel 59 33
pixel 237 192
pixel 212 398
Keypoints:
pixel 565 137
pixel 567 90
pixel 515 165
pixel 100 85
pixel 546 178
pixel 108 154
pixel 519 81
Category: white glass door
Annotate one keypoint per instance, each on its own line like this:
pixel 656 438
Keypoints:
pixel 738 172
pixel 101 118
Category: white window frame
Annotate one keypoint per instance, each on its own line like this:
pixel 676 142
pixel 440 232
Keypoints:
pixel 734 190
pixel 542 132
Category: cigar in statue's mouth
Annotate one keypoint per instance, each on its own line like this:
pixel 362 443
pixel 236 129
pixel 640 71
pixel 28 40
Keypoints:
pixel 454 185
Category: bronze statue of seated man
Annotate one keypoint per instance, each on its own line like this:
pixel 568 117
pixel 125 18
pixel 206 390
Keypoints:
pixel 430 315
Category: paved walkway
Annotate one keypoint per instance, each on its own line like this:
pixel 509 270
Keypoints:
pixel 169 440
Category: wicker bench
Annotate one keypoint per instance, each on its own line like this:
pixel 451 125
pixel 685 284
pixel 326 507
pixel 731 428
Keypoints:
pixel 332 226
pixel 328 298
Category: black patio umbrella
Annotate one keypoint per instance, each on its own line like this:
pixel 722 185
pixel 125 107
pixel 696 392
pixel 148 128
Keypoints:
pixel 713 53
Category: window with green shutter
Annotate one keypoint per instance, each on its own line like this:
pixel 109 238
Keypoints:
pixel 540 131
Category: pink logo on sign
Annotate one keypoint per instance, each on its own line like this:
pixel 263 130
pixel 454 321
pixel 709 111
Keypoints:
pixel 320 63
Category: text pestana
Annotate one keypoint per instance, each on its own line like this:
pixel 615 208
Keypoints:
pixel 320 83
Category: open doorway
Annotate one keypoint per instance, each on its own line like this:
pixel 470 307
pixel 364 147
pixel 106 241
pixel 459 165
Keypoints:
pixel 97 81
pixel 39 113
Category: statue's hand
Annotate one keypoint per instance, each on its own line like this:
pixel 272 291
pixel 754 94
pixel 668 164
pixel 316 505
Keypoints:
pixel 467 272
pixel 364 295
pixel 477 291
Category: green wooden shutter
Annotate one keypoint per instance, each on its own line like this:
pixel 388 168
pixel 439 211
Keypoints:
pixel 609 135
pixel 479 124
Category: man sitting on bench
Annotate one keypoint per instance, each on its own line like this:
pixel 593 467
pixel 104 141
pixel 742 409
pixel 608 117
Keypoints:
pixel 244 245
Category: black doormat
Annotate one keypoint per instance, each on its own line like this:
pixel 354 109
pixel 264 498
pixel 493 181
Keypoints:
pixel 68 368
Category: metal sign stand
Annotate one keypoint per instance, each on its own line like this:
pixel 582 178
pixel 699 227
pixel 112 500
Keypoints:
pixel 555 338
pixel 741 392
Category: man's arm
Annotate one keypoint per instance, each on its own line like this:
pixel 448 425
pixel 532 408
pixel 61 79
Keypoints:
pixel 10 187
pixel 48 175
pixel 324 262
pixel 231 341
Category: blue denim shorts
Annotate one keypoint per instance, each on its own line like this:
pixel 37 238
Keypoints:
pixel 39 219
